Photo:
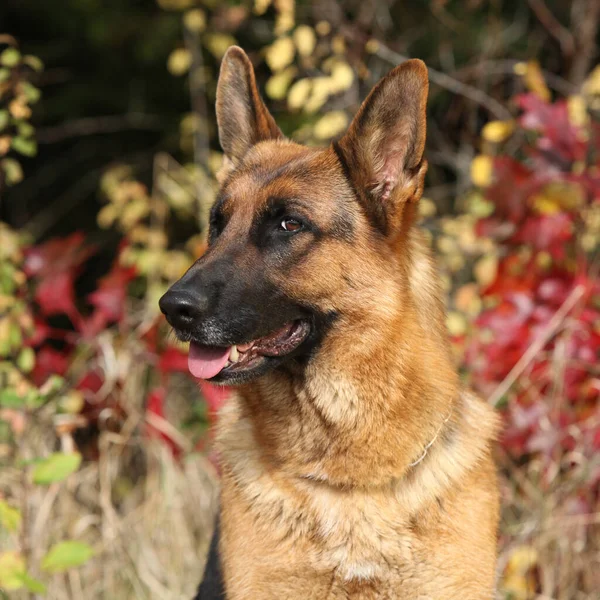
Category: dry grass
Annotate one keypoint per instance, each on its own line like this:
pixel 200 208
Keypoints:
pixel 148 519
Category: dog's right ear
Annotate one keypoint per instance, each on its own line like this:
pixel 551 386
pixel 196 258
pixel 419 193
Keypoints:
pixel 383 148
pixel 242 116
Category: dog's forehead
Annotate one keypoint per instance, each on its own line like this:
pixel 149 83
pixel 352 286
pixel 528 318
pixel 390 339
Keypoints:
pixel 284 170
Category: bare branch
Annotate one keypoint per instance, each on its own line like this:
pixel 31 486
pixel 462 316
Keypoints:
pixel 531 352
pixel 553 26
pixel 458 87
pixel 95 125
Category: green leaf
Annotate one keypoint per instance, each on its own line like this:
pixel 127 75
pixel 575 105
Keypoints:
pixel 13 171
pixel 25 146
pixel 52 385
pixel 12 569
pixel 10 518
pixel 10 57
pixel 31 92
pixel 66 555
pixel 26 360
pixel 33 585
pixel 4 75
pixel 56 467
pixel 25 129
pixel 34 62
pixel 4 118
pixel 10 399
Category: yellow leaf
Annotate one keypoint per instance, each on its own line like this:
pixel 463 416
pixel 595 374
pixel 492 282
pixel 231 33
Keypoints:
pixel 4 144
pixel 545 205
pixel 323 27
pixel 534 80
pixel 107 215
pixel 485 270
pixel 456 323
pixel 372 46
pixel 72 402
pixel 299 93
pixel 427 208
pixel 521 562
pixel 195 20
pixel 519 587
pixel 261 6
pixel 134 212
pixel 338 44
pixel 330 124
pixel 179 61
pixel 18 108
pixel 305 40
pixel 591 86
pixel 176 263
pixel 558 196
pixel 498 131
pixel 468 300
pixel 280 53
pixel 520 68
pixel 577 110
pixel 215 161
pixel 279 83
pixel 320 93
pixel 217 43
pixel 482 169
pixel 543 260
pixel 10 517
pixel 12 570
pixel 478 205
pixel 446 244
pixel 342 77
pixel 285 16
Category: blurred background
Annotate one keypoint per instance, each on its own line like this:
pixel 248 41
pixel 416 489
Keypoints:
pixel 108 150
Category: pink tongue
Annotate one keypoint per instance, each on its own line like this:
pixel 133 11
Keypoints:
pixel 205 362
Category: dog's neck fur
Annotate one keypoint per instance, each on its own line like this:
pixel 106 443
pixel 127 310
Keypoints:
pixel 335 428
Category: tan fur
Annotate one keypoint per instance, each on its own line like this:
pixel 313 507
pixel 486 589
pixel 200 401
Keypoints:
pixel 368 474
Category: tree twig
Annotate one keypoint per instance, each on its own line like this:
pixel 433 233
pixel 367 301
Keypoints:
pixel 198 102
pixel 444 80
pixel 531 352
pixel 94 125
pixel 553 26
pixel 586 27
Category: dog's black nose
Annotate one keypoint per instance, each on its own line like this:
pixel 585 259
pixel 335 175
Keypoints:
pixel 182 307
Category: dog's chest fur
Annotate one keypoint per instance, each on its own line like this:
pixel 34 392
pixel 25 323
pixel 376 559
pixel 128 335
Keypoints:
pixel 286 537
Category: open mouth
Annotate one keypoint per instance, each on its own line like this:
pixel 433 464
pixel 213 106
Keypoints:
pixel 223 363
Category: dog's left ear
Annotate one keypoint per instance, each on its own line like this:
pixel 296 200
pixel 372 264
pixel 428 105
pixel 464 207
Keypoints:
pixel 383 147
pixel 242 116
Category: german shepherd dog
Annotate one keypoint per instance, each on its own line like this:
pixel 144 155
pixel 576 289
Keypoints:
pixel 354 465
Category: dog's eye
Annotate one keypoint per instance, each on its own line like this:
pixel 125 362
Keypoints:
pixel 290 225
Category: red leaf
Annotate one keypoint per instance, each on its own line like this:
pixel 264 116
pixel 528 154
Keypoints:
pixel 547 232
pixel 57 255
pixel 111 294
pixel 56 264
pixel 173 360
pixel 49 362
pixel 56 294
pixel 513 184
pixel 560 141
pixel 215 395
pixel 155 406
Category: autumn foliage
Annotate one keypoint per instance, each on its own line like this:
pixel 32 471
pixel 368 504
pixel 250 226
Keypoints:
pixel 86 355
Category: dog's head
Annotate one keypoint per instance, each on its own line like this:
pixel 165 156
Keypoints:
pixel 300 238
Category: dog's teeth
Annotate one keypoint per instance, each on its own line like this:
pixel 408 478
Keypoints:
pixel 234 354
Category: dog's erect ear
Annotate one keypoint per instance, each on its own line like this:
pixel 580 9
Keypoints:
pixel 383 148
pixel 242 116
